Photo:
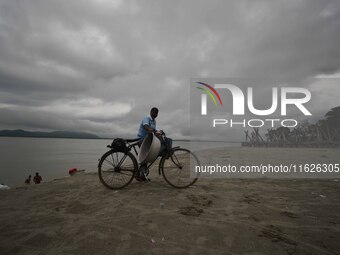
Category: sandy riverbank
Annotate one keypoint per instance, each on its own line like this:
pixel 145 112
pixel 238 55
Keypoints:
pixel 78 215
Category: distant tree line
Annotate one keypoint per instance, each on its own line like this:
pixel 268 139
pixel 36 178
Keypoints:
pixel 326 132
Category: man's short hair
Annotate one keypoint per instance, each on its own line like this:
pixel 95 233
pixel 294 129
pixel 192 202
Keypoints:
pixel 154 109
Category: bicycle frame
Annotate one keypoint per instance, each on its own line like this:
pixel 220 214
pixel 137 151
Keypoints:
pixel 167 150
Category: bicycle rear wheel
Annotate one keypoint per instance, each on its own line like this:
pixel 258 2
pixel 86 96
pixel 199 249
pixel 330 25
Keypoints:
pixel 116 169
pixel 176 168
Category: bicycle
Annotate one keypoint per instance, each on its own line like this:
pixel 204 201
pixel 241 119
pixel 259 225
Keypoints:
pixel 118 167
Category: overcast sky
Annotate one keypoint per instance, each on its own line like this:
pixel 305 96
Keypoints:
pixel 99 66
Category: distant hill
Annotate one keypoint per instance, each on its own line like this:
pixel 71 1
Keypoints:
pixel 55 134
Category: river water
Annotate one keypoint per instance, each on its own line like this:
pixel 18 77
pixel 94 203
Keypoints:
pixel 53 157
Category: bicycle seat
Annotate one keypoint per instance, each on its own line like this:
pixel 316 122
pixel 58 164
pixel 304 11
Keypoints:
pixel 132 140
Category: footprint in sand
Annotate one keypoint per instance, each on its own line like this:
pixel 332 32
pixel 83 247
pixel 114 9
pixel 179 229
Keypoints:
pixel 201 240
pixel 200 200
pixel 39 240
pixel 125 237
pixel 190 211
pixel 275 234
pixel 123 248
pixel 152 226
pixel 228 241
pixel 289 214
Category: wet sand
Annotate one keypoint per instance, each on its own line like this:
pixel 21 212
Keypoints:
pixel 78 215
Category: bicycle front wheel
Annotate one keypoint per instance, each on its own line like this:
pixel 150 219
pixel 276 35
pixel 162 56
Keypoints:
pixel 176 168
pixel 116 169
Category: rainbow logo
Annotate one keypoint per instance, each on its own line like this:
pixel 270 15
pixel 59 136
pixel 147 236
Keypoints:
pixel 208 92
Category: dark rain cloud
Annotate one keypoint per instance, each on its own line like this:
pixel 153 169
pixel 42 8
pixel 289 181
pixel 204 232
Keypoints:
pixel 98 66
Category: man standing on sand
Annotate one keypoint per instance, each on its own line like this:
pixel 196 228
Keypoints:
pixel 147 126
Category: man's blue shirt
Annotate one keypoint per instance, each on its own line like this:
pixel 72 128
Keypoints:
pixel 146 121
